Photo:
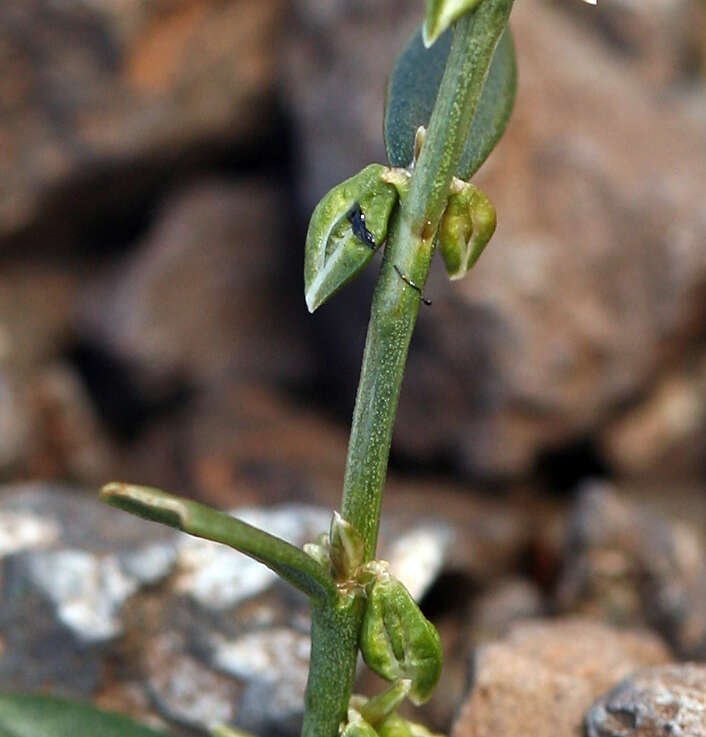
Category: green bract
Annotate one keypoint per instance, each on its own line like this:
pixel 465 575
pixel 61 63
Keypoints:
pixel 440 14
pixel 346 227
pixel 397 640
pixel 345 547
pixel 466 226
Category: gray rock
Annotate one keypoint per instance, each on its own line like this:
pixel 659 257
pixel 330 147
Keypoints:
pixel 64 549
pixel 147 615
pixel 662 701
pixel 629 565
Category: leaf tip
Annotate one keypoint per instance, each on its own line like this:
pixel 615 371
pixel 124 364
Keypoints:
pixel 145 502
pixel 429 34
pixel 312 303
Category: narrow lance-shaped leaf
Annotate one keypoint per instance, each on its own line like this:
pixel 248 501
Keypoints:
pixel 346 227
pixel 291 563
pixel 412 89
pixel 43 715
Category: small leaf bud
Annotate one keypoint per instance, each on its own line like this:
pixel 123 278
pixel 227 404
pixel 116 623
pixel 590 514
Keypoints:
pixel 397 640
pixel 466 226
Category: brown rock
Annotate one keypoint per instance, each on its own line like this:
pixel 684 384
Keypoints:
pixel 504 603
pixel 249 443
pixel 656 38
pixel 661 701
pixel 541 678
pixel 91 87
pixel 201 298
pixel 590 294
pixel 664 435
pixel 629 565
pixel 569 313
pixel 36 311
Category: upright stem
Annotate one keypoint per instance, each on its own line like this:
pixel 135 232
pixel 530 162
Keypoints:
pixel 404 271
pixel 409 248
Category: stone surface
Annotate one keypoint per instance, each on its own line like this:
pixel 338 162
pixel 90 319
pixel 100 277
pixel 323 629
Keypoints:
pixel 543 676
pixel 629 565
pixel 92 88
pixel 49 428
pixel 248 442
pixel 163 625
pixel 657 38
pixel 198 298
pixel 508 601
pixel 664 434
pixel 569 314
pixel 662 701
pixel 335 60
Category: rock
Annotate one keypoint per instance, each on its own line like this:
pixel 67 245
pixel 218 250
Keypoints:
pixel 662 701
pixel 569 314
pixel 93 88
pixel 73 567
pixel 49 428
pixel 657 39
pixel 15 423
pixel 200 297
pixel 248 443
pixel 36 310
pixel 631 566
pixel 340 51
pixel 162 625
pixel 588 297
pixel 664 434
pixel 508 601
pixel 542 677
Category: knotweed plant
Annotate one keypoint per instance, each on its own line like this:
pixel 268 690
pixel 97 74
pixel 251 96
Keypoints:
pixel 449 98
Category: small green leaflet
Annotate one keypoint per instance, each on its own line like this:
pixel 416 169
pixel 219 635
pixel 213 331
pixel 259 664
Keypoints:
pixel 41 715
pixel 411 93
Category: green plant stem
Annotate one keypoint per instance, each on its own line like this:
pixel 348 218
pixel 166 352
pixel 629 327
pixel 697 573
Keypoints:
pixel 334 651
pixel 409 248
pixel 393 315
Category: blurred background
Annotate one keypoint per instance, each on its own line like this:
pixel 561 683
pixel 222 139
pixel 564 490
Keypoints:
pixel 158 163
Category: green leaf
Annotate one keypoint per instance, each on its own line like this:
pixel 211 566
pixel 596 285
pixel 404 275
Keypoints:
pixel 411 93
pixel 288 561
pixel 41 715
pixel 397 641
pixel 346 227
